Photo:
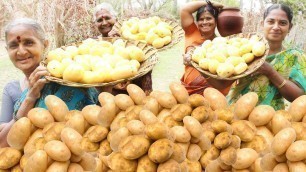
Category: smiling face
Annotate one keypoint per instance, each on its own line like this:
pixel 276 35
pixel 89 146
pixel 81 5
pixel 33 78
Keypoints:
pixel 24 47
pixel 206 23
pixel 104 22
pixel 276 25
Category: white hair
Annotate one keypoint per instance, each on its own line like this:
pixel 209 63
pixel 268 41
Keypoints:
pixel 104 6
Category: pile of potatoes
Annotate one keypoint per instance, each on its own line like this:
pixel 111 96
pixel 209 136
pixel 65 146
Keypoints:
pixel 160 132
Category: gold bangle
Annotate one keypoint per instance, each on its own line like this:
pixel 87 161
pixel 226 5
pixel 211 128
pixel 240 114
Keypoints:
pixel 282 84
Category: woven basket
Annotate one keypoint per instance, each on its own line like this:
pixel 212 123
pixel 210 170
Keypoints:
pixel 177 33
pixel 252 67
pixel 145 67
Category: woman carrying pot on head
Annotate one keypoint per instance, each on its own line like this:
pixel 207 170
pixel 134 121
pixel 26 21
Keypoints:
pixel 283 75
pixel 196 32
pixel 26 44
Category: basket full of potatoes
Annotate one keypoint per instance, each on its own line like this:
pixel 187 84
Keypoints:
pixel 230 58
pixel 99 62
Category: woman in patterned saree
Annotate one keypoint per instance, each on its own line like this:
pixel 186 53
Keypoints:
pixel 25 44
pixel 283 75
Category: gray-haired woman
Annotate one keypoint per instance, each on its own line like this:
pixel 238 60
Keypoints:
pixel 104 17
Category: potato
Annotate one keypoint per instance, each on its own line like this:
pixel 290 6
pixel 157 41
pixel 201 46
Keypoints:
pixel 9 157
pixel 170 122
pixel 261 115
pixel 296 166
pixel 201 113
pixel 90 113
pixel 298 108
pixel 300 130
pixel 196 100
pixel 266 134
pixel 296 151
pixel 152 105
pixel 220 126
pixel 37 162
pixel 225 115
pixel 161 150
pixel 89 146
pixel 282 141
pixel 211 154
pixel 75 158
pixel 16 168
pixel 179 92
pixel 279 122
pixel 245 105
pixel 228 156
pixel 204 143
pixel 123 101
pixel 235 141
pixel 192 166
pixel 184 147
pixel 169 165
pixel 157 131
pixel 280 158
pixel 133 147
pixel 107 114
pixel 57 150
pixel 19 133
pixel 74 167
pixel 244 129
pixel 194 152
pixel 100 167
pixel 58 166
pixel 180 111
pixel 146 165
pixel 255 167
pixel 77 122
pixel 105 98
pixel 222 140
pixel 135 127
pixel 193 126
pixel 105 148
pixel 258 143
pixel 178 153
pixel 209 134
pixel 245 158
pixel 73 140
pixel 88 162
pixel 29 147
pixel 163 114
pixel 166 100
pixel 136 93
pixel 215 98
pixel 40 117
pixel 147 117
pixel 132 113
pixel 56 107
pixel 96 133
pixel 282 167
pixel 118 163
pixel 181 134
pixel 118 136
pixel 268 162
pixel 53 131
pixel 214 166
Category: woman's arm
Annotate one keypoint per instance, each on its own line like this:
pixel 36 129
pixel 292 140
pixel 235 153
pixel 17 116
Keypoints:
pixel 7 107
pixel 187 10
pixel 289 90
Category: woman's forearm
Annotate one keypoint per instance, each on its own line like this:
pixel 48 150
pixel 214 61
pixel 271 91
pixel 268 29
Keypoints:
pixel 192 7
pixel 289 89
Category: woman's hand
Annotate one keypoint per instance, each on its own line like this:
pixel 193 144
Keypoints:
pixel 265 69
pixel 217 4
pixel 187 59
pixel 114 33
pixel 37 82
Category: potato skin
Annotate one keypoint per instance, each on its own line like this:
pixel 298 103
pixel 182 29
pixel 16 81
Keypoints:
pixel 157 131
pixel 58 166
pixel 169 165
pixel 56 107
pixel 228 156
pixel 136 93
pixel 296 151
pixel 40 117
pixel 161 150
pixel 90 113
pixel 181 134
pixel 57 150
pixel 282 141
pixel 215 98
pixel 244 129
pixel 245 105
pixel 118 163
pixel 298 108
pixel 179 92
pixel 123 101
pixel 37 162
pixel 73 140
pixel 261 115
pixel 19 133
pixel 245 158
pixel 133 147
pixel 146 165
pixel 9 157
pixel 193 126
pixel 53 131
pixel 196 100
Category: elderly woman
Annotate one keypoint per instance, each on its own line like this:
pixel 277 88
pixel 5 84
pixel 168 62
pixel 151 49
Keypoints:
pixel 283 75
pixel 196 32
pixel 25 44
pixel 104 18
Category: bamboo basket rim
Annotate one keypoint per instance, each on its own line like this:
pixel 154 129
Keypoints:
pixel 252 67
pixel 145 66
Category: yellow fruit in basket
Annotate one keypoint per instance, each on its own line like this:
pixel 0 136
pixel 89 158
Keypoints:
pixel 167 39
pixel 89 41
pixel 56 54
pixel 233 51
pixel 207 44
pixel 122 63
pixel 112 59
pixel 213 66
pixel 237 44
pixel 244 41
pixel 141 36
pixel 198 54
pixel 126 34
pixel 204 63
pixel 248 57
pixel 234 60
pixel 254 38
pixel 158 43
pixel 100 64
pixel 84 49
pixel 162 31
pixel 119 43
pixel 136 53
pixel 259 49
pixel 218 56
pixel 123 52
pixel 247 48
pixel 225 70
pixel 123 72
pixel 74 72
pixel 89 77
pixel 134 28
pixel 156 19
pixel 104 44
pixel 135 63
pixel 240 68
pixel 66 62
pixel 73 50
pixel 99 50
pixel 83 61
pixel 151 36
pixel 219 40
pixel 103 75
pixel 144 27
pixel 56 68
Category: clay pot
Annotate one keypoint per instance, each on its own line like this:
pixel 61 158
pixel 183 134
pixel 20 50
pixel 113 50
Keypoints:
pixel 230 21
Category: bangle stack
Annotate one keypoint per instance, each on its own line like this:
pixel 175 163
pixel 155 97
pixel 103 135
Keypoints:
pixel 282 84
